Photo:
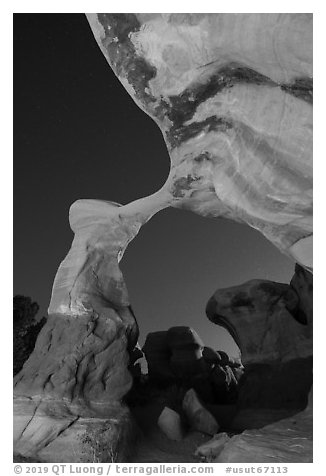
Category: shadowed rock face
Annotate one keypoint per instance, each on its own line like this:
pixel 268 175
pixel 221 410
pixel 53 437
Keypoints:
pixel 261 317
pixel 174 356
pixel 272 325
pixel 178 357
pixel 232 96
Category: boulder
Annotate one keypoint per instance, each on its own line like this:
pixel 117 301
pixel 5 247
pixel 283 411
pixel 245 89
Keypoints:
pixel 183 337
pixel 157 354
pixel 177 356
pixel 174 356
pixel 225 385
pixel 211 356
pixel 223 380
pixel 186 359
pixel 198 417
pixel 210 450
pixel 170 423
pixel 224 358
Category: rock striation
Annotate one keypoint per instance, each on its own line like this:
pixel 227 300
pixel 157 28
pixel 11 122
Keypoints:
pixel 210 450
pixel 286 441
pixel 169 422
pixel 232 94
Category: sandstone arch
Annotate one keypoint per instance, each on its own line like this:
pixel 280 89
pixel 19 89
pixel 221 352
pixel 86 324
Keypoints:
pixel 232 95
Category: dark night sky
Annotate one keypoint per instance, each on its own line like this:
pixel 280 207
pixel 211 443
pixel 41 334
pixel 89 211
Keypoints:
pixel 78 134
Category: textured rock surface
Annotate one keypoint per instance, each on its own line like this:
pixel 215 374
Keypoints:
pixel 173 355
pixel 286 441
pixel 169 422
pixel 47 431
pixel 265 320
pixel 210 450
pixel 178 356
pixel 232 94
pixel 199 418
pixel 186 359
pixel 157 354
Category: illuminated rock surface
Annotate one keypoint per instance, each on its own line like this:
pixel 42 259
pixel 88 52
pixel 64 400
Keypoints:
pixel 232 95
pixel 169 422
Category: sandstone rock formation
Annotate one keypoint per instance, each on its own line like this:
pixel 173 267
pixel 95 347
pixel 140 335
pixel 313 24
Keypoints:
pixel 272 324
pixel 289 440
pixel 79 366
pixel 186 359
pixel 276 347
pixel 173 355
pixel 232 95
pixel 198 416
pixel 170 423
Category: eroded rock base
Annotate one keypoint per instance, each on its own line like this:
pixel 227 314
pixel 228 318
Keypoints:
pixel 47 431
pixel 287 441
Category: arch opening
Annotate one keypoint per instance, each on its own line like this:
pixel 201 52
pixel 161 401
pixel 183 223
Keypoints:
pixel 178 260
